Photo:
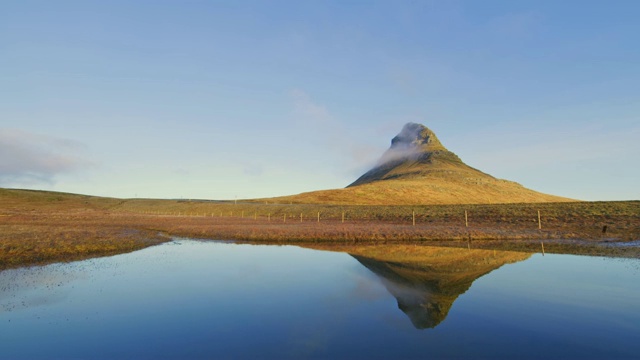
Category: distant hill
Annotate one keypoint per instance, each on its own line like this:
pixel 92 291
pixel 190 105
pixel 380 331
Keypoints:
pixel 418 169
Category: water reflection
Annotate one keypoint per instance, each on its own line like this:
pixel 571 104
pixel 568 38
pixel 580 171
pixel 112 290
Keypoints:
pixel 215 300
pixel 425 280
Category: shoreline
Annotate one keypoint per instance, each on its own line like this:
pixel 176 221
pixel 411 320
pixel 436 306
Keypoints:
pixel 43 227
pixel 28 241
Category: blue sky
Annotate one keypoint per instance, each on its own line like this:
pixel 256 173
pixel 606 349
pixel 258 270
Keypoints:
pixel 218 100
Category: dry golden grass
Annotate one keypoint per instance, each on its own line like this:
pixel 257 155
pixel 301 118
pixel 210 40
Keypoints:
pixel 432 190
pixel 40 227
pixel 42 238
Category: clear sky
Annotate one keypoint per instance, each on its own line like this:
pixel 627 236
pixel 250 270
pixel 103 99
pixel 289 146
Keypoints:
pixel 218 100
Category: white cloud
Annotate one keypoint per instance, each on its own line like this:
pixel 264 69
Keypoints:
pixel 252 169
pixel 28 158
pixel 352 148
pixel 309 111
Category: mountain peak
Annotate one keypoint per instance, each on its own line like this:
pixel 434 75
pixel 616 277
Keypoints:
pixel 414 150
pixel 415 135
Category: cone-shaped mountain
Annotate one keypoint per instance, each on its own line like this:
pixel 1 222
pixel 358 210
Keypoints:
pixel 418 169
pixel 415 151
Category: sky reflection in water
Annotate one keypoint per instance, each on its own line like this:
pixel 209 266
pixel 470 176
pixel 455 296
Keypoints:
pixel 215 300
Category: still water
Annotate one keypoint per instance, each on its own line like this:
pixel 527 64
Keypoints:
pixel 191 299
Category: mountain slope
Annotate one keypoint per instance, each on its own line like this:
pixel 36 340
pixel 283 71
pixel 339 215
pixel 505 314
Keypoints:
pixel 414 153
pixel 418 169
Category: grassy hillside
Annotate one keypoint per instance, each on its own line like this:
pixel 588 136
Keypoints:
pixel 418 170
pixel 24 200
pixel 432 189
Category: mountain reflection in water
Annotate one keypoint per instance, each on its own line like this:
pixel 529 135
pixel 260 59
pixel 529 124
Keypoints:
pixel 427 280
pixel 218 300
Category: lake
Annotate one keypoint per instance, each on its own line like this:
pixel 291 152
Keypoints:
pixel 206 299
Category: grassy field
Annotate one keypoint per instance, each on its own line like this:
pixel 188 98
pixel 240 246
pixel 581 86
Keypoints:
pixel 40 227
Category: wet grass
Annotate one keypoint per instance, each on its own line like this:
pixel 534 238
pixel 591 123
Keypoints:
pixel 30 240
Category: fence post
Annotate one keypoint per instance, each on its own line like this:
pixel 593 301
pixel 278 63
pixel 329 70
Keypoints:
pixel 466 220
pixel 539 221
pixel 414 218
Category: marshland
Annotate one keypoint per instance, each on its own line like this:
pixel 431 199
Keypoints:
pixel 41 227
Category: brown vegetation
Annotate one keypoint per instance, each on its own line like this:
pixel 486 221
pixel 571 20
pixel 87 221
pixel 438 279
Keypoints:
pixel 39 227
pixel 436 187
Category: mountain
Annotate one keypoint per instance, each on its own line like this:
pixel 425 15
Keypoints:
pixel 418 169
pixel 415 152
pixel 426 281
